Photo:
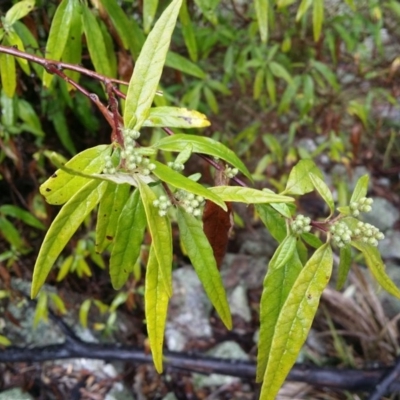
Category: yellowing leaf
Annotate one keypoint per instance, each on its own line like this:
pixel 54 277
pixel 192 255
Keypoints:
pixel 18 11
pixel 63 227
pixel 61 186
pixel 295 319
pixel 176 117
pixel 161 235
pixel 318 18
pixel 8 73
pixel 156 306
pixel 148 68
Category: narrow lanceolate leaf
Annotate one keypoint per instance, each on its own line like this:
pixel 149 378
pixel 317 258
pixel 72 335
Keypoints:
pixel 63 227
pixel 273 220
pixel 61 186
pixel 361 189
pixel 261 7
pixel 248 195
pixel 148 68
pixel 161 234
pixel 188 32
pixel 8 73
pixel 18 11
pixel 73 48
pixel 318 18
pixel 344 266
pixel 111 205
pixel 277 286
pixel 180 63
pixel 377 267
pixel 299 181
pixel 176 117
pixel 202 145
pixel 58 35
pixel 95 43
pixel 25 216
pixel 295 319
pixel 303 7
pixel 201 255
pixel 322 188
pixel 149 12
pixel 15 41
pixel 284 252
pixel 168 175
pixel 280 71
pixel 128 240
pixel 156 308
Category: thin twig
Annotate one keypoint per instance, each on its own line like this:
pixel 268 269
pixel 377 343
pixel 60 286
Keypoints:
pixel 382 387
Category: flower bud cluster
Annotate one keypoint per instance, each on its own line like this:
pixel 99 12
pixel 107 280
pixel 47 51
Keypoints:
pixel 368 233
pixel 362 205
pixel 301 224
pixel 341 233
pixel 191 203
pixel 133 159
pixel 231 172
pixel 130 135
pixel 109 166
pixel 162 203
pixel 177 166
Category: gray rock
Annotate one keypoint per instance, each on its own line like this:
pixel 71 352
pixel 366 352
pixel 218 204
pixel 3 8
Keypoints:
pixel 383 215
pixel 239 303
pixel 15 394
pixel 390 246
pixel 230 350
pixel 189 310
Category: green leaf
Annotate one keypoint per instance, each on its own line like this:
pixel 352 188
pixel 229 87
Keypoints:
pixel 276 288
pixel 284 252
pixel 299 181
pixel 377 267
pixel 289 95
pixel 273 220
pixel 203 145
pixel 8 73
pixel 61 186
pixel 149 12
pixel 258 84
pixel 324 191
pixel 326 73
pixel 84 312
pixel 344 266
pixel 25 216
pixel 41 311
pixel 63 227
pixel 161 235
pixel 202 257
pixel 156 299
pixel 148 68
pixel 10 233
pixel 248 195
pixel 188 32
pixel 15 41
pixel 208 7
pixel 180 63
pixel 131 38
pixel 95 43
pixel 211 99
pixel 318 18
pixel 311 240
pixel 58 35
pixel 295 319
pixel 303 7
pixel 4 341
pixel 168 175
pixel 176 117
pixel 128 240
pixel 27 114
pixel 271 87
pixel 111 205
pixel 18 11
pixel 73 49
pixel 361 189
pixel 280 71
pixel 262 7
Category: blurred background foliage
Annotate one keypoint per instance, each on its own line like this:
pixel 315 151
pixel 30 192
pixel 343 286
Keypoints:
pixel 280 80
